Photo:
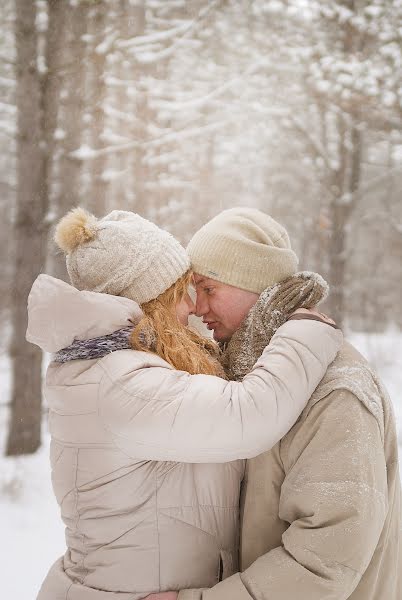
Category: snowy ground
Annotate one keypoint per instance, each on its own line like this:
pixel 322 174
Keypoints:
pixel 32 535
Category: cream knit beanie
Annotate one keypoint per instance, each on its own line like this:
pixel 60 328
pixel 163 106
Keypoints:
pixel 121 254
pixel 243 247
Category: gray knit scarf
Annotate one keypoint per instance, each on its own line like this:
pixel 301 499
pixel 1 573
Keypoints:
pixel 273 308
pixel 96 347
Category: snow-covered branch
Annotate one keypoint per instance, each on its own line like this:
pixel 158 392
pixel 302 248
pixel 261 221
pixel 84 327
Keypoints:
pixel 144 57
pixel 314 143
pixel 372 184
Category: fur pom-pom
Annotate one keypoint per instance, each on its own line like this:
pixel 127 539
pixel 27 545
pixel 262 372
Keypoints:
pixel 75 228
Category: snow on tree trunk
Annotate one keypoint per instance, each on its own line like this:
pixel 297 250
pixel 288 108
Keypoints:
pixel 29 234
pixel 96 65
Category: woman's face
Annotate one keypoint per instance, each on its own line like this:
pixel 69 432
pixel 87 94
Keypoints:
pixel 184 309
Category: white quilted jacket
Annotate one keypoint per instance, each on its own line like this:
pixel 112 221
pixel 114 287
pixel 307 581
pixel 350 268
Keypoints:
pixel 134 523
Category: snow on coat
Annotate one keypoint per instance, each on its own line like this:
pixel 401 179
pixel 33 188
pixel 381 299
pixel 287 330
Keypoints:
pixel 321 511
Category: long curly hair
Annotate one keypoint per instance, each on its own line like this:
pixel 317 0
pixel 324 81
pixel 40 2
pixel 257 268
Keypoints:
pixel 160 332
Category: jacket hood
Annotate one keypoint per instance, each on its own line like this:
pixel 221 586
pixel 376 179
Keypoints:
pixel 58 314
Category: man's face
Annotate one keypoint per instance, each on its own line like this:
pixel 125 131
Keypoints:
pixel 222 307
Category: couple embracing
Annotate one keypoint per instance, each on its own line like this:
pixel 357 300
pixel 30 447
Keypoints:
pixel 260 465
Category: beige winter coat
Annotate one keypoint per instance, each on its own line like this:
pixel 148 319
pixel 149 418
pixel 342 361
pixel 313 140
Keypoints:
pixel 322 510
pixel 134 525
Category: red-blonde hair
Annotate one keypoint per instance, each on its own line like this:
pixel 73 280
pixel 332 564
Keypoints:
pixel 160 332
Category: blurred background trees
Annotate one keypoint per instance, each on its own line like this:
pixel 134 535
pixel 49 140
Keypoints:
pixel 178 109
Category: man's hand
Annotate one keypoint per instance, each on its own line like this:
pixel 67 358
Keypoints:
pixel 162 596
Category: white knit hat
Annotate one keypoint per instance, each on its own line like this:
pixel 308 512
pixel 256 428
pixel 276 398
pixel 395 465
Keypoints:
pixel 243 247
pixel 121 254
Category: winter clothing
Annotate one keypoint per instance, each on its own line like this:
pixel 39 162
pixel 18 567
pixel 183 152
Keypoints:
pixel 273 308
pixel 134 526
pixel 121 254
pixel 59 314
pixel 243 247
pixel 321 511
pixel 96 347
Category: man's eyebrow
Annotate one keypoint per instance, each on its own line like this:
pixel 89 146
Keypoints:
pixel 201 280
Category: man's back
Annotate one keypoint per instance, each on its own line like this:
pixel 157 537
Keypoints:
pixel 322 508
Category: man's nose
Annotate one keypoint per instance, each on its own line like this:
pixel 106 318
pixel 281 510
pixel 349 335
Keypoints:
pixel 201 306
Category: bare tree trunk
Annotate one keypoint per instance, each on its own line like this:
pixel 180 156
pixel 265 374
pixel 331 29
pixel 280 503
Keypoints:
pixel 8 160
pixel 338 215
pixel 143 199
pixel 347 183
pixel 337 263
pixel 51 85
pixel 97 201
pixel 141 114
pixel 25 424
pixel 347 180
pixel 69 182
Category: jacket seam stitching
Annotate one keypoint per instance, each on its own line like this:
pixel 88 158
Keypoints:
pixel 234 506
pixel 337 562
pixel 68 590
pixel 243 576
pixel 127 531
pixel 81 444
pixel 73 414
pixel 78 518
pixel 157 529
pixel 56 461
pixel 214 536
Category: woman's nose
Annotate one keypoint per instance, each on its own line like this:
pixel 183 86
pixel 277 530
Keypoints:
pixel 191 305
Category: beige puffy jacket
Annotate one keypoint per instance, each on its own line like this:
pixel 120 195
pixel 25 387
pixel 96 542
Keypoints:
pixel 135 525
pixel 321 516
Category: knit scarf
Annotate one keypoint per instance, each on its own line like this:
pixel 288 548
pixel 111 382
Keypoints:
pixel 95 347
pixel 273 308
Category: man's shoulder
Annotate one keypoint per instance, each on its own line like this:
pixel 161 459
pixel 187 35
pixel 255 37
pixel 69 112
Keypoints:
pixel 349 354
pixel 350 380
pixel 346 362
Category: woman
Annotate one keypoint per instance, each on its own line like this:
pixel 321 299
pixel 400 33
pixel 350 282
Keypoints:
pixel 135 525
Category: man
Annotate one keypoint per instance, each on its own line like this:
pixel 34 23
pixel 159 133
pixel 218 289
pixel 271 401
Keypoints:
pixel 321 511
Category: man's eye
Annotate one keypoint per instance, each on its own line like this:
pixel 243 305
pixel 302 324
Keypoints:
pixel 207 290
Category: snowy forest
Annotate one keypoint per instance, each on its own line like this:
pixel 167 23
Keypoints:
pixel 176 110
